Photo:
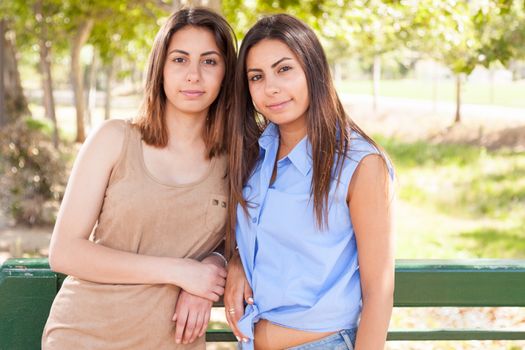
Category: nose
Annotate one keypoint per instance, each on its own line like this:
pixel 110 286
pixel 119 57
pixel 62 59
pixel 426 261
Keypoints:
pixel 194 73
pixel 271 87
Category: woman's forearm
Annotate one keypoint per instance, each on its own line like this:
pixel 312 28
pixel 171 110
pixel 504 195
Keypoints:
pixel 93 262
pixel 373 326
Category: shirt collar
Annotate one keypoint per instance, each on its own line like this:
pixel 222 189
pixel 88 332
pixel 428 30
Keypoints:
pixel 269 136
pixel 300 155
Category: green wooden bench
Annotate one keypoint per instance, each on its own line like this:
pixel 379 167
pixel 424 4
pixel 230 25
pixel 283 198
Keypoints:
pixel 28 286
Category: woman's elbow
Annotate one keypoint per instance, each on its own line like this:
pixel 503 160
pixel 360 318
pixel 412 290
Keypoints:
pixel 383 294
pixel 56 258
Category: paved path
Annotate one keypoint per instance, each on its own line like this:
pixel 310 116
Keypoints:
pixel 470 112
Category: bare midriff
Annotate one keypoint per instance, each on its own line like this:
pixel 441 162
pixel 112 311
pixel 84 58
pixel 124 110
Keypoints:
pixel 269 336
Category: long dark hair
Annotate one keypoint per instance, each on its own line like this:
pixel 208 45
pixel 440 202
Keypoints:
pixel 328 125
pixel 151 121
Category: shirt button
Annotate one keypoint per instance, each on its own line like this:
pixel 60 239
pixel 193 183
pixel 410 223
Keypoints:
pixel 254 220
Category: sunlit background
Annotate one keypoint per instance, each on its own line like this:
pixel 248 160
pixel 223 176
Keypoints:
pixel 440 84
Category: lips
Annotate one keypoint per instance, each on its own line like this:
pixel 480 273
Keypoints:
pixel 279 105
pixel 192 93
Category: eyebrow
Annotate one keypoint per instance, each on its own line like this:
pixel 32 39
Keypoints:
pixel 273 65
pixel 211 52
pixel 282 59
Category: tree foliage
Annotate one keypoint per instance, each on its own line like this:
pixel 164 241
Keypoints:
pixel 459 34
pixel 500 25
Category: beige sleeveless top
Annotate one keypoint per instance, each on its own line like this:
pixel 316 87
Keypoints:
pixel 141 215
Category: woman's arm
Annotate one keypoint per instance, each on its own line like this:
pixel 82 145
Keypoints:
pixel 237 292
pixel 72 253
pixel 192 313
pixel 371 203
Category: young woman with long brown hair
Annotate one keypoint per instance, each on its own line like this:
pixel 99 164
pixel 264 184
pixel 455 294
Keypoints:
pixel 146 204
pixel 311 203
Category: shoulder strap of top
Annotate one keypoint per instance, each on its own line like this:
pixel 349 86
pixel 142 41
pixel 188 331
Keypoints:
pixel 358 149
pixel 121 165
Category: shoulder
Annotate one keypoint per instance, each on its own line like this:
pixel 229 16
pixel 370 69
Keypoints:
pixel 372 174
pixel 373 165
pixel 110 133
pixel 107 140
pixel 364 161
pixel 359 147
pixel 113 128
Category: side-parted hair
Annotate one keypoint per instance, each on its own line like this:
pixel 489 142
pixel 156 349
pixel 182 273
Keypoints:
pixel 151 120
pixel 328 125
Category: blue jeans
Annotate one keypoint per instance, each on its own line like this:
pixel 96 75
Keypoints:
pixel 342 340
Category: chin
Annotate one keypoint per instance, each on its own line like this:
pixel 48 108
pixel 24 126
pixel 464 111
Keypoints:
pixel 193 110
pixel 282 120
pixel 193 107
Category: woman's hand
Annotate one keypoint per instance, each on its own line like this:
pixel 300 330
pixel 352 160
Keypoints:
pixel 192 314
pixel 206 280
pixel 237 291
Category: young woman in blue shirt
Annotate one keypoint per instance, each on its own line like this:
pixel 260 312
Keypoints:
pixel 311 203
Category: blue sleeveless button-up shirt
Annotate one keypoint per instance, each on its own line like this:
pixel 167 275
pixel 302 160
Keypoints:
pixel 301 277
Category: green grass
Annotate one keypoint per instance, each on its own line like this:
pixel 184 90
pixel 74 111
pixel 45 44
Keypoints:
pixel 458 201
pixel 509 94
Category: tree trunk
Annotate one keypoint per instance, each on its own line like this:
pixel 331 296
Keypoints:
pixel 14 101
pixel 376 76
pixel 92 90
pixel 435 86
pixel 77 78
pixel 492 85
pixel 45 71
pixel 513 66
pixel 109 79
pixel 3 116
pixel 457 119
pixel 47 87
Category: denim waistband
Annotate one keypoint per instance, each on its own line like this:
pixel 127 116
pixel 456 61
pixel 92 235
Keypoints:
pixel 345 336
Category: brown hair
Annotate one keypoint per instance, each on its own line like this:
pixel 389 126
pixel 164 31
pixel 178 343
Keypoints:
pixel 151 121
pixel 328 126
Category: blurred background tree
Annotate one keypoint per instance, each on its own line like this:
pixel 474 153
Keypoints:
pixel 68 65
pixel 459 35
pixel 439 83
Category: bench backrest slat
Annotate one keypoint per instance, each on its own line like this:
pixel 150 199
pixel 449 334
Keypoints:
pixel 483 282
pixel 28 287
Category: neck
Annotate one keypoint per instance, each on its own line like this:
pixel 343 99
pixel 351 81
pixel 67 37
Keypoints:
pixel 184 129
pixel 289 137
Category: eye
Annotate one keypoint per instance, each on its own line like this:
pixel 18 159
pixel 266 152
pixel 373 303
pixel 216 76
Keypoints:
pixel 179 60
pixel 210 61
pixel 254 78
pixel 285 68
